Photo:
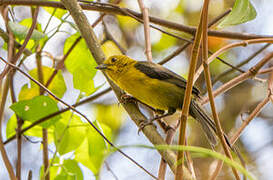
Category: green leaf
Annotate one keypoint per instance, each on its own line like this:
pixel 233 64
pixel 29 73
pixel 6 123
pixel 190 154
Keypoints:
pixel 11 126
pixel 35 109
pixel 54 169
pixel 82 83
pixel 21 31
pixel 111 115
pixel 242 12
pixel 28 22
pixel 57 86
pixel 35 131
pixel 28 93
pixel 94 149
pixel 56 12
pixel 69 133
pixel 203 151
pixel 81 64
pixel 70 171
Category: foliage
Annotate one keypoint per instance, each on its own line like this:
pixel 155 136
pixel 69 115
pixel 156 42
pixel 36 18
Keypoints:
pixel 242 12
pixel 75 143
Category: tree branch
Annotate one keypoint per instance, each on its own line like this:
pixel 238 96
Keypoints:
pixel 237 80
pixel 94 46
pixel 146 22
pixel 219 130
pixel 112 9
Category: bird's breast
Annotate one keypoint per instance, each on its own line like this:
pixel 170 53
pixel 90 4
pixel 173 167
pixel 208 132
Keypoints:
pixel 156 93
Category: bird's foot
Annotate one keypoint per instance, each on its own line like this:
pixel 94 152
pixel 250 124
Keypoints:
pixel 125 98
pixel 166 127
pixel 143 124
pixel 158 111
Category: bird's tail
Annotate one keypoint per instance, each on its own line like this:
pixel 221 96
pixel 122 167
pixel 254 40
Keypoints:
pixel 197 112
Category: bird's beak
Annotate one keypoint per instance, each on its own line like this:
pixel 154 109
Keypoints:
pixel 102 66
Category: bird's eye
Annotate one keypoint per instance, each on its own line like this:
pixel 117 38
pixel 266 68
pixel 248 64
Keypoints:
pixel 114 60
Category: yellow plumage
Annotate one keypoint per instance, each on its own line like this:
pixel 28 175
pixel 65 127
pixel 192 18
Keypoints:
pixel 155 86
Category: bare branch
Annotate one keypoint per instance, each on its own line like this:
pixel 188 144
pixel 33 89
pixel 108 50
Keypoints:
pixel 112 9
pixel 146 22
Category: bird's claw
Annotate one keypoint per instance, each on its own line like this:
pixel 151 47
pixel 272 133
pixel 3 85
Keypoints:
pixel 143 124
pixel 125 98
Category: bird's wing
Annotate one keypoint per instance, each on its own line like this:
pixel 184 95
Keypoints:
pixel 159 72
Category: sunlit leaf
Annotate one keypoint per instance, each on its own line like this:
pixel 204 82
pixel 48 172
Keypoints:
pixel 82 82
pixel 35 109
pixel 52 169
pixel 242 12
pixel 81 64
pixel 93 150
pixel 57 86
pixel 28 22
pixel 21 31
pixel 69 133
pixel 70 171
pixel 35 131
pixel 28 93
pixel 111 115
pixel 56 12
pixel 110 48
pixel 12 126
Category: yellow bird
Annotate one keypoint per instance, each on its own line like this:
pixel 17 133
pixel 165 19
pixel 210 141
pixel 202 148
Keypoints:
pixel 157 87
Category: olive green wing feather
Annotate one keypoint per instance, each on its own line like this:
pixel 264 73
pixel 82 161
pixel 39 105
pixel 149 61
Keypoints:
pixel 159 72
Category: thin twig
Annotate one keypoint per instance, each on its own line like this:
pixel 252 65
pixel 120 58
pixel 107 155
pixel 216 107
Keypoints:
pixel 4 94
pixel 187 99
pixel 110 8
pixel 49 20
pixel 5 37
pixel 110 170
pixel 267 70
pixel 218 18
pixel 163 165
pixel 230 46
pixel 61 62
pixel 29 177
pixel 91 98
pixel 184 46
pixel 46 174
pixel 22 48
pixel 78 112
pixel 11 52
pixel 254 113
pixel 237 134
pixel 219 130
pixel 154 27
pixel 146 22
pixel 94 46
pixel 270 82
pixel 237 80
pixel 18 130
pixel 227 72
pixel 2 148
pixel 190 162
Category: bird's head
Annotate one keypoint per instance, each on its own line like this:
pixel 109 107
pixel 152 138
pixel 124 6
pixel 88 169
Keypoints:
pixel 115 65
